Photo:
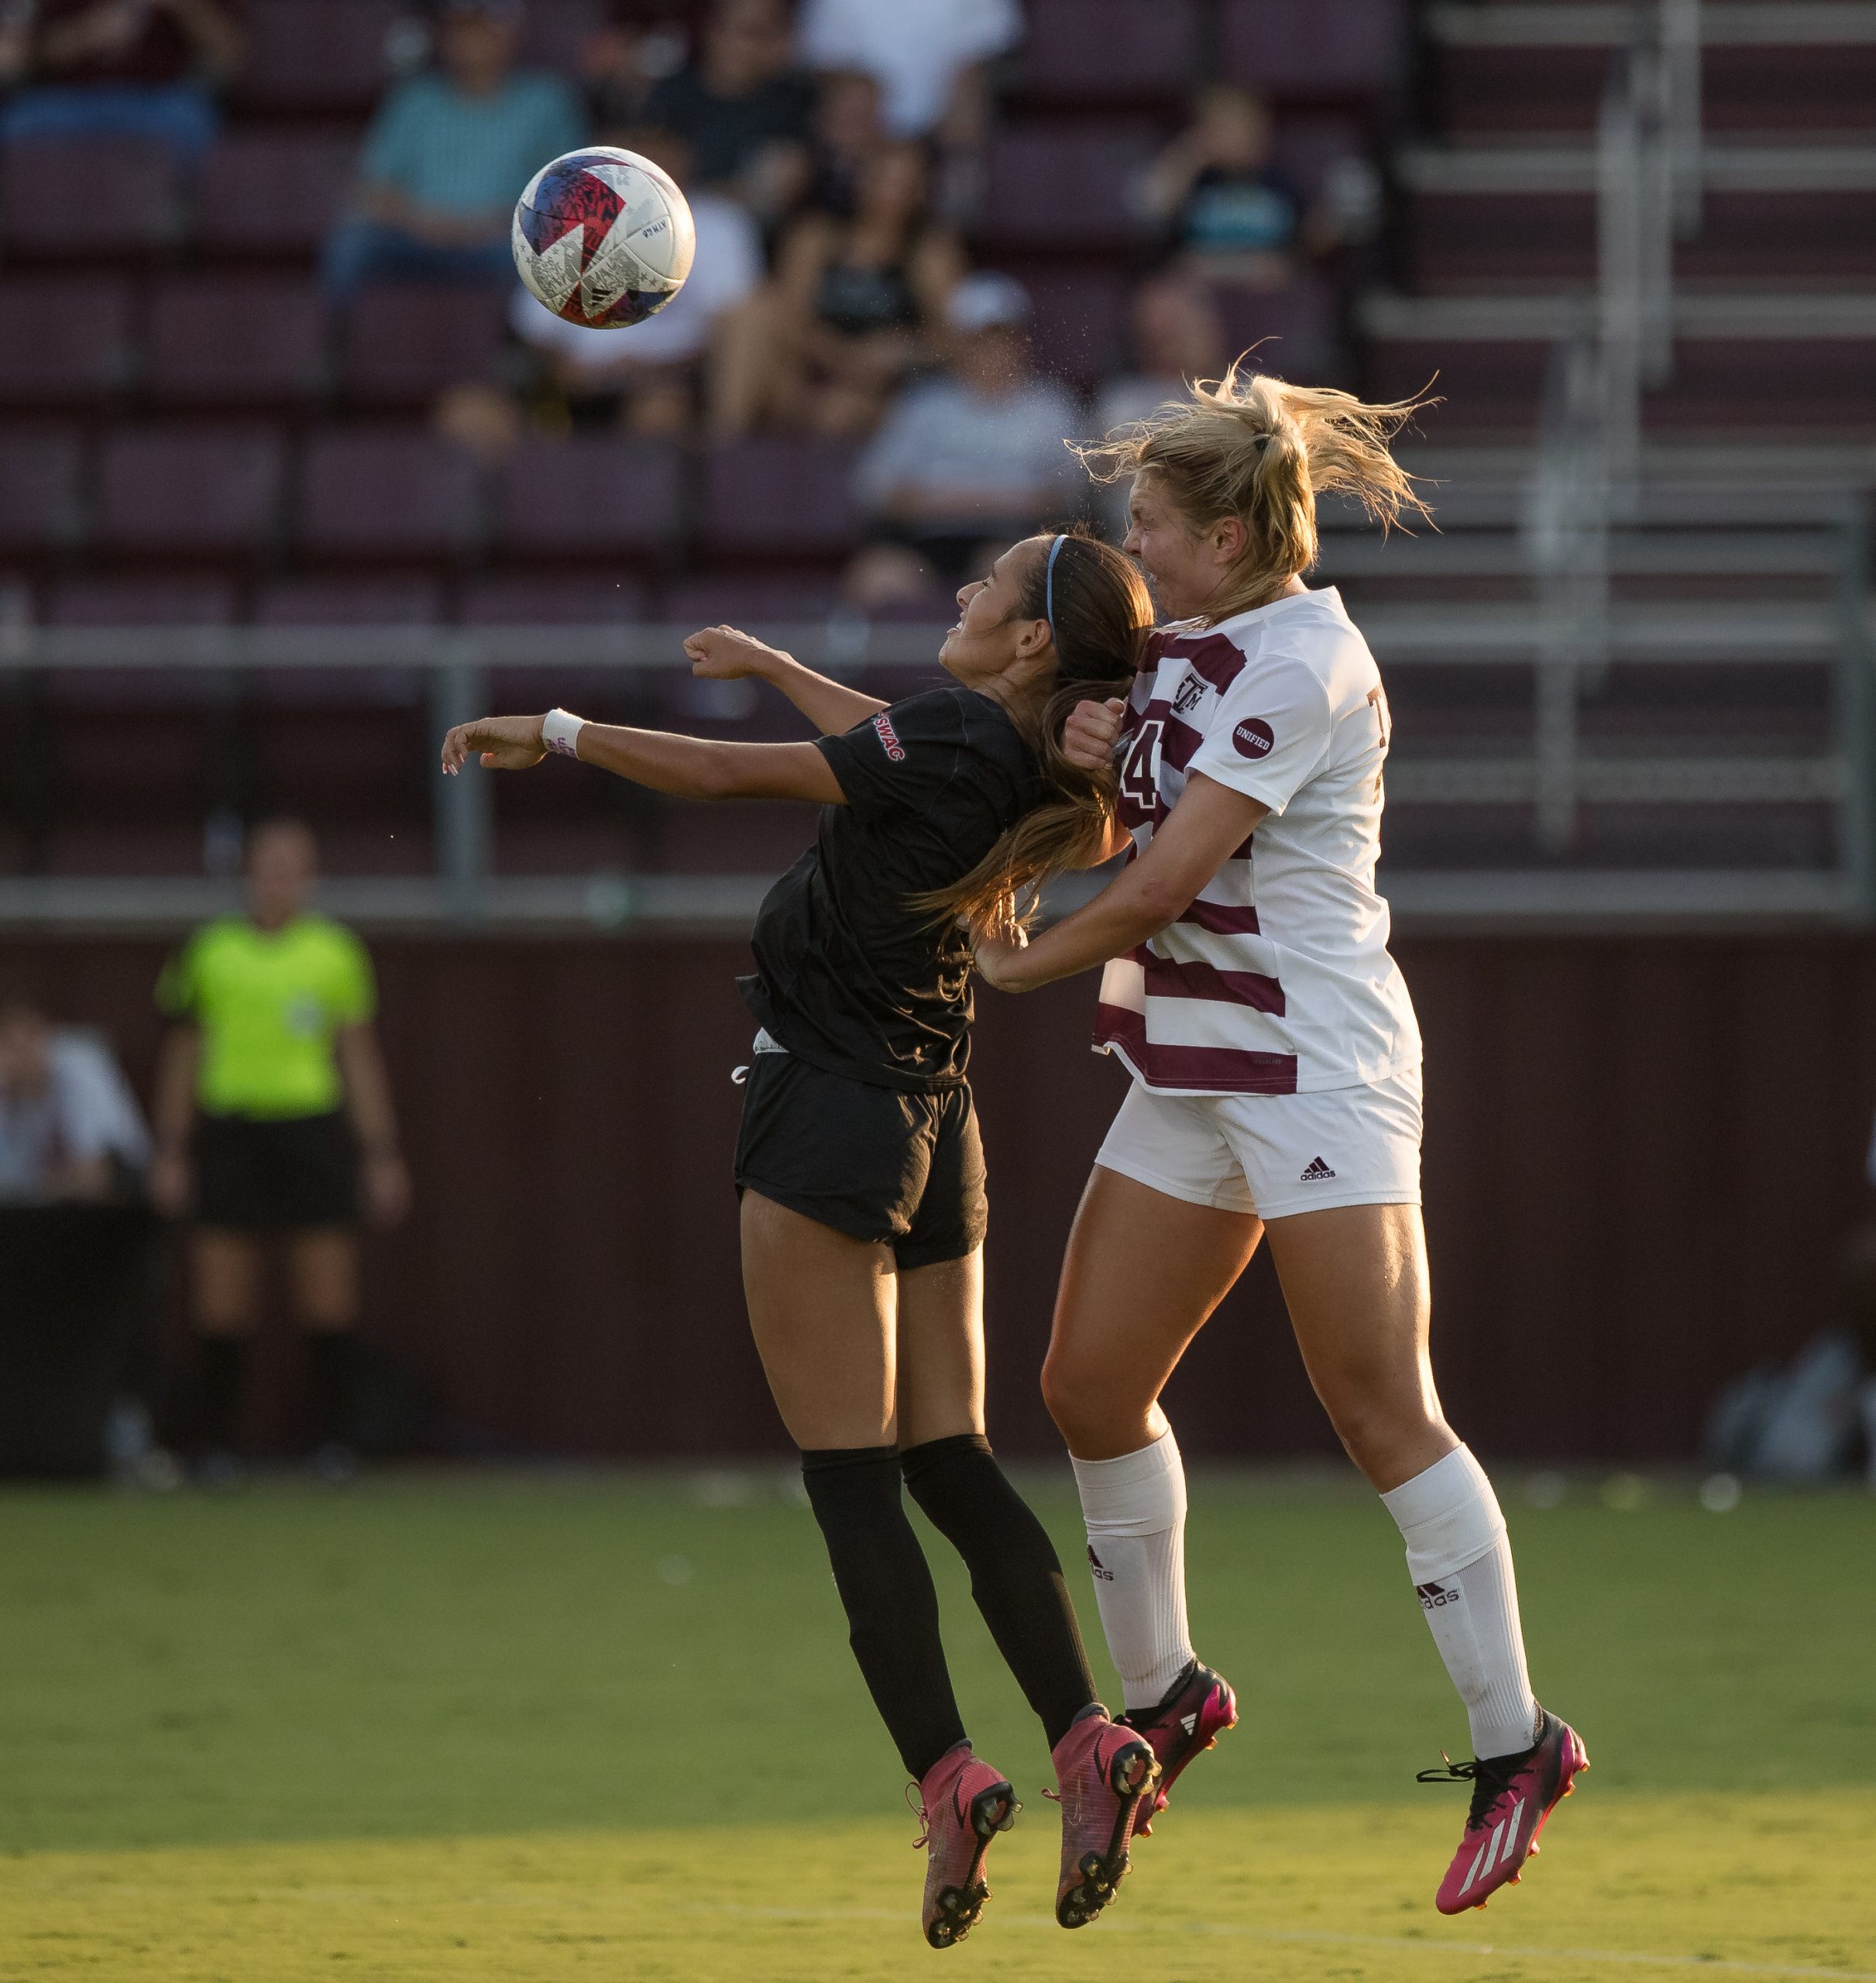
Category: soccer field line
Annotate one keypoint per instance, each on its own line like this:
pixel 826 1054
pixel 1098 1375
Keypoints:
pixel 1319 1937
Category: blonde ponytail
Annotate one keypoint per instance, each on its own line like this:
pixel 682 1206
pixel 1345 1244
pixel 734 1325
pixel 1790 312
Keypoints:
pixel 1260 449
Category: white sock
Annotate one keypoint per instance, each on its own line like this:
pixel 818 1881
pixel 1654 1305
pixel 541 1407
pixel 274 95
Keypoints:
pixel 1460 1561
pixel 1135 1511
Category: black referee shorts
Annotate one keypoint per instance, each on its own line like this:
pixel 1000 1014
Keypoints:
pixel 254 1172
pixel 879 1164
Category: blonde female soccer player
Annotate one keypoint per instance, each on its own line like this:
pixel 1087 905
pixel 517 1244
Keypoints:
pixel 1276 1065
pixel 859 1163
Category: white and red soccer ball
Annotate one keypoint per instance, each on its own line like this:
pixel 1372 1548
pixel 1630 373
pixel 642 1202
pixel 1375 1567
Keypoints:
pixel 603 237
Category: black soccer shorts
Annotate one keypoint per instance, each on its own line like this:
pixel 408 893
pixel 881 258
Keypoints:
pixel 902 1168
pixel 254 1173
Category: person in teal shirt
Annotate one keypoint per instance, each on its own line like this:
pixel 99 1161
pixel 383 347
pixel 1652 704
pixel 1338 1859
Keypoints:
pixel 446 158
pixel 274 1117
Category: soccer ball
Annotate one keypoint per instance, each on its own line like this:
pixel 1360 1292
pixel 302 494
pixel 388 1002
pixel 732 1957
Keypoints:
pixel 603 237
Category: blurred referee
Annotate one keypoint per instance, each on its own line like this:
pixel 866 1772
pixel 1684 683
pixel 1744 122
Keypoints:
pixel 274 1118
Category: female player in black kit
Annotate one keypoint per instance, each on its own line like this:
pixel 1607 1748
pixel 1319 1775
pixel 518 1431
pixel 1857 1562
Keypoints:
pixel 859 1163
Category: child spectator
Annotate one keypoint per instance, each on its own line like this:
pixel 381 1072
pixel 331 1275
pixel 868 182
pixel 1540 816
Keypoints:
pixel 1230 216
pixel 977 453
pixel 122 69
pixel 743 108
pixel 647 379
pixel 857 300
pixel 69 1127
pixel 447 156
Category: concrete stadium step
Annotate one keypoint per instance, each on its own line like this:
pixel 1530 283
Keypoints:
pixel 1479 214
pixel 1767 65
pixel 1792 361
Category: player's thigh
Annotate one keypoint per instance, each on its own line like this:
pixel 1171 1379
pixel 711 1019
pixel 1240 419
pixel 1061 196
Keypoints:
pixel 822 1310
pixel 322 1277
pixel 1144 1272
pixel 225 1270
pixel 1355 1279
pixel 941 1349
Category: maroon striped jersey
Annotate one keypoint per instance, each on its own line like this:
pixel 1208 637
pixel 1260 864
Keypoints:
pixel 1277 980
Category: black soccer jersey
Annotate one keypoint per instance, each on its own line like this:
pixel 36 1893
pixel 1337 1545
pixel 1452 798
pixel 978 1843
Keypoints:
pixel 850 975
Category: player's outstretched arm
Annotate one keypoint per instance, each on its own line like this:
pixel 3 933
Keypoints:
pixel 687 767
pixel 721 654
pixel 1202 831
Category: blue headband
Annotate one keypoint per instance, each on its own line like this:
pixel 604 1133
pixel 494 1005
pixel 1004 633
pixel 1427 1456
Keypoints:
pixel 1055 552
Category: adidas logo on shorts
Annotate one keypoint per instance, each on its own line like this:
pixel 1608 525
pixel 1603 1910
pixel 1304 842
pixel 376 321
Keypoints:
pixel 1317 1172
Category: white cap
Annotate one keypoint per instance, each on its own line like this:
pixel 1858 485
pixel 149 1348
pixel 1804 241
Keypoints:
pixel 986 302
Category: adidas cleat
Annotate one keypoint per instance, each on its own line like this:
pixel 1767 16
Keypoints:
pixel 1106 1773
pixel 963 1805
pixel 1512 1796
pixel 1195 1710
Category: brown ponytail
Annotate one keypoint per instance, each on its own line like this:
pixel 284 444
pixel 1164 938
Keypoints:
pixel 1262 450
pixel 1102 613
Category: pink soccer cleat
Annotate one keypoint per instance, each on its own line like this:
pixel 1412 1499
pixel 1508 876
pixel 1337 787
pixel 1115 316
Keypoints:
pixel 1106 1772
pixel 1195 1710
pixel 1512 1796
pixel 963 1805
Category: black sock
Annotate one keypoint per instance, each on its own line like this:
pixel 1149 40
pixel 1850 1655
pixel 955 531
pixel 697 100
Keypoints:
pixel 892 1607
pixel 1016 1574
pixel 220 1362
pixel 331 1358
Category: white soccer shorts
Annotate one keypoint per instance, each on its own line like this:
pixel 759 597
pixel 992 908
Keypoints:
pixel 1274 1155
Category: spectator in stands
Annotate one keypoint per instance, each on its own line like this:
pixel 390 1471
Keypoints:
pixel 707 343
pixel 1230 216
pixel 69 1127
pixel 446 157
pixel 1176 336
pixel 121 68
pixel 848 136
pixel 743 107
pixel 979 453
pixel 857 301
pixel 931 58
pixel 270 1089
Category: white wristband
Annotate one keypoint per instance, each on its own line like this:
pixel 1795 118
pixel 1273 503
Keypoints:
pixel 560 732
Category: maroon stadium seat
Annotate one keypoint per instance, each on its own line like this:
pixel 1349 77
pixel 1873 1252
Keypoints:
pixel 273 193
pixel 399 601
pixel 1314 48
pixel 189 491
pixel 243 340
pixel 319 54
pixel 769 598
pixel 1111 51
pixel 85 197
pixel 64 340
pixel 772 498
pixel 197 601
pixel 387 494
pixel 40 472
pixel 554 33
pixel 404 343
pixel 590 497
pixel 539 600
pixel 1080 319
pixel 1052 188
pixel 1292 328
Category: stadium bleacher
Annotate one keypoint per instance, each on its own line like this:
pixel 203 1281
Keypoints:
pixel 191 438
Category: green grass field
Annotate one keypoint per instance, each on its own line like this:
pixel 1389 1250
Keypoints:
pixel 594 1727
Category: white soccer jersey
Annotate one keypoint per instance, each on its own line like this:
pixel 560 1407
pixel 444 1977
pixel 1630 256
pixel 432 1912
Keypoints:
pixel 1277 980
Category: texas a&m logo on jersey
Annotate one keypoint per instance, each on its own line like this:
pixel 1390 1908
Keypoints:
pixel 889 737
pixel 1191 693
